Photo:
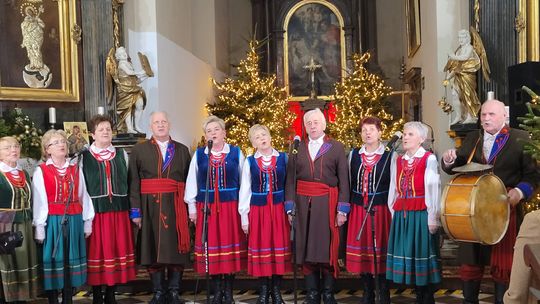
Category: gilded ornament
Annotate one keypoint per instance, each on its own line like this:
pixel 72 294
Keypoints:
pixel 519 23
pixel 76 33
pixel 130 96
pixel 461 70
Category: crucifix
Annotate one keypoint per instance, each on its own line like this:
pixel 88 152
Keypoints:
pixel 312 67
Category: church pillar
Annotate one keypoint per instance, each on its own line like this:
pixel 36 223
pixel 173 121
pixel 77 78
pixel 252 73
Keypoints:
pixel 96 40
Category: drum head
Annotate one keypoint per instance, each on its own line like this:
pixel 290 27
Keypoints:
pixel 490 210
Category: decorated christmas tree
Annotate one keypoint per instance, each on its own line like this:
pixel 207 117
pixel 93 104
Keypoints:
pixel 251 98
pixel 531 123
pixel 361 94
pixel 17 124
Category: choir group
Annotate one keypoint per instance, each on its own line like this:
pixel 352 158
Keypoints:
pixel 242 209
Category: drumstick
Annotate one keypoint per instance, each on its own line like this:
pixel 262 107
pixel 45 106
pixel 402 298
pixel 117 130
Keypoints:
pixel 473 151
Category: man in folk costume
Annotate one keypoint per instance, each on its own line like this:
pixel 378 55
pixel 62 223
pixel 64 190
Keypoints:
pixel 317 188
pixel 502 147
pixel 157 172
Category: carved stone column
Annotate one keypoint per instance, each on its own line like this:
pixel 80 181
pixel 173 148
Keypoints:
pixel 97 39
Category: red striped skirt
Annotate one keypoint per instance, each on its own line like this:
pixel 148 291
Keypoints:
pixel 269 246
pixel 111 257
pixel 226 240
pixel 359 254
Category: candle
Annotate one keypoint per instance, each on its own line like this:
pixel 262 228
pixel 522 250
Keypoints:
pixel 491 95
pixel 52 115
pixel 101 110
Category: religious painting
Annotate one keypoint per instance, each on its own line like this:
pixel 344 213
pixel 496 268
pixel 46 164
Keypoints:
pixel 412 10
pixel 77 135
pixel 314 49
pixel 39 52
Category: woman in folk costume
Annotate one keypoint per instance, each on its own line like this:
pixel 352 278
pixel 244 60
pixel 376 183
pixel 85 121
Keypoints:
pixel 52 181
pixel 370 179
pixel 226 241
pixel 413 199
pixel 19 272
pixel 263 215
pixel 111 254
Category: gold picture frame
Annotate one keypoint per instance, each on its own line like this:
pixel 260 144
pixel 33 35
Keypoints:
pixel 77 135
pixel 325 42
pixel 58 51
pixel 414 37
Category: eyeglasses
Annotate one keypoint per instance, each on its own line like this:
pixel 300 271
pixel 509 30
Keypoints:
pixel 16 147
pixel 57 142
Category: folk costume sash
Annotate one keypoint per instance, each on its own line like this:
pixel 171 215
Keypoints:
pixel 307 188
pixel 167 185
pixel 163 184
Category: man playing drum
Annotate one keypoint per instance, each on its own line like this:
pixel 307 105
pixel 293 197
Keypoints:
pixel 497 145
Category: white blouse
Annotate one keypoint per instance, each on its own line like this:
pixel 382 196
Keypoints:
pixel 190 195
pixel 244 198
pixel 7 168
pixel 41 207
pixel 432 183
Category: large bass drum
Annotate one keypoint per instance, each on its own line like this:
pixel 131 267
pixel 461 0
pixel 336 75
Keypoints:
pixel 475 209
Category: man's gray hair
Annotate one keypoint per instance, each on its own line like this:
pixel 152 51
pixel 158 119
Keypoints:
pixel 313 112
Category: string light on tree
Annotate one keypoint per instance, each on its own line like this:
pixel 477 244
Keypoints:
pixel 361 94
pixel 531 123
pixel 250 98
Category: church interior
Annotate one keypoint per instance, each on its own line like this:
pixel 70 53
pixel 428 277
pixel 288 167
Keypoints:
pixel 269 61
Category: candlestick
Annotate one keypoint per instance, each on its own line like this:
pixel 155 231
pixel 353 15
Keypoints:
pixel 101 110
pixel 490 95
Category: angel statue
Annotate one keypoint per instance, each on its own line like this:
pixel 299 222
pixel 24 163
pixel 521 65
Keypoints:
pixel 35 74
pixel 130 96
pixel 461 71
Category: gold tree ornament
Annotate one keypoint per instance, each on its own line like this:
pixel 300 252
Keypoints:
pixel 359 95
pixel 250 98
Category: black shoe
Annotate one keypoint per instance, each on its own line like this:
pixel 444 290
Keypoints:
pixel 384 289
pixel 312 288
pixel 97 295
pixel 157 287
pixel 218 289
pixel 425 294
pixel 52 296
pixel 500 289
pixel 228 289
pixel 368 296
pixel 110 295
pixel 471 289
pixel 174 287
pixel 328 289
pixel 264 290
pixel 276 290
